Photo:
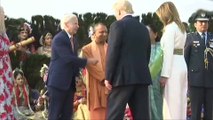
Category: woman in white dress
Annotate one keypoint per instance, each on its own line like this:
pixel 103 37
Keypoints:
pixel 174 70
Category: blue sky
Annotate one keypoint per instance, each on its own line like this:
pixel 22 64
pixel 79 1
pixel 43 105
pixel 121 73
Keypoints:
pixel 56 8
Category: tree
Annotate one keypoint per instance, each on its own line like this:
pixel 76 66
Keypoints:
pixel 40 24
pixel 51 24
pixel 82 32
pixel 152 18
pixel 100 17
pixel 109 20
pixel 37 25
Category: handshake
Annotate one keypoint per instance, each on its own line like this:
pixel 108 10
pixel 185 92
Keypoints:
pixel 92 61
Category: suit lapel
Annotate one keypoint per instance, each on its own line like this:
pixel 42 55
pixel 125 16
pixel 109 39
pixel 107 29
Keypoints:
pixel 69 42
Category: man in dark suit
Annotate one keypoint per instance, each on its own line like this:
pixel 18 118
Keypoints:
pixel 199 59
pixel 63 70
pixel 127 72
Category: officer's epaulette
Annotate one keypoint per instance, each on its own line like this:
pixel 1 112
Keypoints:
pixel 209 33
pixel 191 33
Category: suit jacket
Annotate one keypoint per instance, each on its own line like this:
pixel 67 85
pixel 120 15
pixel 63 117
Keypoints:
pixel 194 56
pixel 64 64
pixel 128 53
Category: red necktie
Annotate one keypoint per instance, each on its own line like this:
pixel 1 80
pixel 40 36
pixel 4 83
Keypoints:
pixel 72 43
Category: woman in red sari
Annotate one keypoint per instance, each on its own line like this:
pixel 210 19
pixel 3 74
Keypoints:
pixel 22 100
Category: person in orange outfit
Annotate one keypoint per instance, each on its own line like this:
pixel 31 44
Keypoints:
pixel 97 92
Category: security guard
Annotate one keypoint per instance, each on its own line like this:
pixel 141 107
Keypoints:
pixel 199 59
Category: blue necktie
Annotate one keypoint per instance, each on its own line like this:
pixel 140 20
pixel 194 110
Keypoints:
pixel 203 37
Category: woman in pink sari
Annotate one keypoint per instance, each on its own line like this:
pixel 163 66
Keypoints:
pixel 6 83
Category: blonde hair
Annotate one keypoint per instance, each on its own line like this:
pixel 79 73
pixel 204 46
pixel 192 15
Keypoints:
pixel 168 13
pixel 2 23
pixel 124 5
pixel 67 18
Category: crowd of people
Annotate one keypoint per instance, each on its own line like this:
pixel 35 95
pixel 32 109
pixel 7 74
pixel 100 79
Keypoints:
pixel 127 72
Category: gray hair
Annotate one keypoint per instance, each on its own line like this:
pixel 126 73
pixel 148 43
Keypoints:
pixel 124 5
pixel 93 27
pixel 67 18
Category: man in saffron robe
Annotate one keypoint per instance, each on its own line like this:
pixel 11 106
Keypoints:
pixel 97 92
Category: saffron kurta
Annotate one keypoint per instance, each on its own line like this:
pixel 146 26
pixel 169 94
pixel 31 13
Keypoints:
pixel 97 92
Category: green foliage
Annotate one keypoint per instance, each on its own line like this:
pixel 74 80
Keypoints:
pixel 110 19
pixel 51 24
pixel 152 18
pixel 100 17
pixel 83 26
pixel 15 57
pixel 12 27
pixel 32 67
pixel 147 18
pixel 39 24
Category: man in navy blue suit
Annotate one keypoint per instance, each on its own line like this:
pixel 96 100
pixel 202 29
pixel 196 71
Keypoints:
pixel 127 71
pixel 63 70
pixel 199 60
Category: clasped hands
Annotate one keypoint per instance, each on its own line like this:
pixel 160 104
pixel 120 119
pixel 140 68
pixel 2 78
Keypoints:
pixel 94 62
pixel 108 85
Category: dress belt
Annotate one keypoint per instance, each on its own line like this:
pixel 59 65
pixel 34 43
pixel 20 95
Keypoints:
pixel 178 52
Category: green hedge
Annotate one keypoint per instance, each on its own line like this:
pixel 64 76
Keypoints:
pixel 31 68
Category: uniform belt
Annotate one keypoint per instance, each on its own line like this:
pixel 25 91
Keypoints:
pixel 178 52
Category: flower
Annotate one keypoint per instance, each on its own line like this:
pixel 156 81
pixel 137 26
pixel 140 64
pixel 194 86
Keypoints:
pixel 43 70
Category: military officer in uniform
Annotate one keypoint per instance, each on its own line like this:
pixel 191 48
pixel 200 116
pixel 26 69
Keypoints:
pixel 199 59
